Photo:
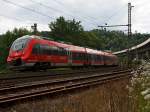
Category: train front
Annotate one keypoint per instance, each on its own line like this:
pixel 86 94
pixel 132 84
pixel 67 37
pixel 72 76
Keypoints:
pixel 17 51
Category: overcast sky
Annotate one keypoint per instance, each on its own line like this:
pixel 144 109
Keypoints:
pixel 90 12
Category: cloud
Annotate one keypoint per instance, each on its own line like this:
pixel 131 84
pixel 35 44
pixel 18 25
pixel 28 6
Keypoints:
pixel 91 12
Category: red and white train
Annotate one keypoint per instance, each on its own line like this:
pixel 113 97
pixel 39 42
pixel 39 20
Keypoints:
pixel 35 51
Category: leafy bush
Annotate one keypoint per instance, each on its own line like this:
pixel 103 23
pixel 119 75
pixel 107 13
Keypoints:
pixel 140 87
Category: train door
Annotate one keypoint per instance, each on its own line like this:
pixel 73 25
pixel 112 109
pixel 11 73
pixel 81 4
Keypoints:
pixel 87 57
pixel 102 59
pixel 39 52
pixel 69 54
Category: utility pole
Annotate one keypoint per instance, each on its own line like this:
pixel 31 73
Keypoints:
pixel 129 19
pixel 129 32
pixel 129 22
pixel 34 28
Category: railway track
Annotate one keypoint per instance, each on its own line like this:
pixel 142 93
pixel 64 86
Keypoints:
pixel 41 88
pixel 17 78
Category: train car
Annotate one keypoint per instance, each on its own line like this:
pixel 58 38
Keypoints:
pixel 110 59
pixel 34 51
pixel 95 57
pixel 78 56
pixel 30 51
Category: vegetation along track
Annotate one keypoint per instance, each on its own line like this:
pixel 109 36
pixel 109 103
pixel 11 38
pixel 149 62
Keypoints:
pixel 41 88
pixel 12 79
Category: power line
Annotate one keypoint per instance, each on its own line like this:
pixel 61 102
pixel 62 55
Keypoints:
pixel 17 19
pixel 49 7
pixel 29 9
pixel 92 18
pixel 85 15
pixel 37 12
pixel 12 18
pixel 114 14
pixel 60 11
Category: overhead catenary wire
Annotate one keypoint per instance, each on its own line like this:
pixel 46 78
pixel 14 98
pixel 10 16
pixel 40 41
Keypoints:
pixel 29 9
pixel 26 8
pixel 113 14
pixel 109 18
pixel 18 19
pixel 15 18
pixel 10 18
pixel 32 10
pixel 93 18
pixel 84 15
pixel 6 26
pixel 61 11
pixel 47 6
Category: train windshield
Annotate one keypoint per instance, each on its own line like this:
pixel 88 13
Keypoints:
pixel 20 43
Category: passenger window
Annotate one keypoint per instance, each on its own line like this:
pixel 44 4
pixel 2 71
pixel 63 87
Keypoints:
pixel 36 49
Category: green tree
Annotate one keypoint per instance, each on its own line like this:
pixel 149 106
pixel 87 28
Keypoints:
pixel 63 29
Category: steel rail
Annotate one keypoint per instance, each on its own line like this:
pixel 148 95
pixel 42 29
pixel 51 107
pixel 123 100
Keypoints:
pixel 42 83
pixel 68 86
pixel 8 82
pixel 47 73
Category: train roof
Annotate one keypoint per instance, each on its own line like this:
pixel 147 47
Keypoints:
pixel 59 44
pixel 24 37
pixel 77 48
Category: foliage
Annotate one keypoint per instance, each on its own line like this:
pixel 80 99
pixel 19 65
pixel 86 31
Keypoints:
pixel 65 28
pixel 71 31
pixel 140 89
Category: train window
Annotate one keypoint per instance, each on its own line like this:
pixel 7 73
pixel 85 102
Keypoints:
pixel 54 50
pixel 49 51
pixel 75 56
pixel 83 56
pixel 42 50
pixel 61 51
pixel 89 57
pixel 35 49
pixel 45 49
pixel 78 56
pixel 20 43
pixel 94 57
pixel 99 57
